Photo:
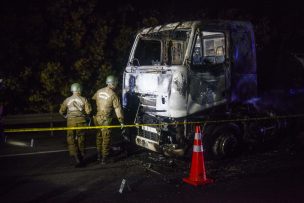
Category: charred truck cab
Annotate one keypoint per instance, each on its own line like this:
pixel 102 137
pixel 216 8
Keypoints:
pixel 194 71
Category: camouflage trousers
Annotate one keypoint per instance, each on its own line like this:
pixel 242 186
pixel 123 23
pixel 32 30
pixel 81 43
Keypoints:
pixel 76 138
pixel 103 136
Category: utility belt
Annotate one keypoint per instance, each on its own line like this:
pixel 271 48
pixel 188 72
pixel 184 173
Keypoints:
pixel 99 117
pixel 82 116
pixel 80 119
pixel 104 114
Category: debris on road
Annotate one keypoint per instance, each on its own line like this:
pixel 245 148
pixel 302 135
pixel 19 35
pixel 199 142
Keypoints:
pixel 122 186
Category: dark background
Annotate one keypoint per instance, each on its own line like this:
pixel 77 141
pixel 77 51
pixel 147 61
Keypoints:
pixel 47 45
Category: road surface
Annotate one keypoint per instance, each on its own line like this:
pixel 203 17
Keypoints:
pixel 42 173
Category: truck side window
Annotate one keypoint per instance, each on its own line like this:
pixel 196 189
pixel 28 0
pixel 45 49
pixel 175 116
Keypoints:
pixel 148 52
pixel 177 51
pixel 213 48
pixel 197 52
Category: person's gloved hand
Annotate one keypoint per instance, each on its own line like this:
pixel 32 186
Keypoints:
pixel 64 115
pixel 124 135
pixel 121 125
pixel 88 120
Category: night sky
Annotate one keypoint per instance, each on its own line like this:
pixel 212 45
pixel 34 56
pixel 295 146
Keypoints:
pixel 35 34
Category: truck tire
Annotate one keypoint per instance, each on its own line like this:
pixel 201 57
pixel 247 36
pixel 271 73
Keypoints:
pixel 224 142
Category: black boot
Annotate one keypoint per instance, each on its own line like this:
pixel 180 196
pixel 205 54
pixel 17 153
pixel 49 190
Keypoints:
pixel 104 160
pixel 98 157
pixel 72 160
pixel 82 154
pixel 79 161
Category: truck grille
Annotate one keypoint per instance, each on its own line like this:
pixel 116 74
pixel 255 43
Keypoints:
pixel 150 132
pixel 148 100
pixel 150 135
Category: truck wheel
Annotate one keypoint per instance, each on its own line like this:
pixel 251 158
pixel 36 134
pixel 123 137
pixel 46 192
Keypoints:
pixel 224 143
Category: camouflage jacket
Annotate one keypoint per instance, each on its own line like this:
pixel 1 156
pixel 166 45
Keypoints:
pixel 107 102
pixel 75 106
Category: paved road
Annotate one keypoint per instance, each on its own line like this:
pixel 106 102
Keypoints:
pixel 43 174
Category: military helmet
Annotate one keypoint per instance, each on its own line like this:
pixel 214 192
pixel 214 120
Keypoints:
pixel 76 87
pixel 112 80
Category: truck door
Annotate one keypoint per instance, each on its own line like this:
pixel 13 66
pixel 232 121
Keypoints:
pixel 207 70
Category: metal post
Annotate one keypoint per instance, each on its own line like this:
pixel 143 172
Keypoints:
pixel 52 124
pixel 32 143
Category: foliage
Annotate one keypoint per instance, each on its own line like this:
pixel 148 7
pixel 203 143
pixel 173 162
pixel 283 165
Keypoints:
pixel 45 97
pixel 48 45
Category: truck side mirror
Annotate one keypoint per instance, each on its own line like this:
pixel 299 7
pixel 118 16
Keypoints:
pixel 134 62
pixel 188 61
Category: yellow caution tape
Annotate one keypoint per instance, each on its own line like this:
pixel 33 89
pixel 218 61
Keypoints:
pixel 147 124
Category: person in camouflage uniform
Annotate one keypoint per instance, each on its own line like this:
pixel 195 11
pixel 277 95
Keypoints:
pixel 107 103
pixel 76 108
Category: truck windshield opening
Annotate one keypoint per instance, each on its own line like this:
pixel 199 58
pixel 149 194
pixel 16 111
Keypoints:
pixel 162 48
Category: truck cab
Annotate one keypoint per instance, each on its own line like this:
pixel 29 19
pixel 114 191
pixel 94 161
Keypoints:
pixel 186 72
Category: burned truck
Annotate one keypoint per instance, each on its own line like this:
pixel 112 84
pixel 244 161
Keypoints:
pixel 196 71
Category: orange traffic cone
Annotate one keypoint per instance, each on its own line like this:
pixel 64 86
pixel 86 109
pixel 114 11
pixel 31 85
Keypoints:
pixel 197 171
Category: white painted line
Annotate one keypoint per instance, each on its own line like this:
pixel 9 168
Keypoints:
pixel 36 153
